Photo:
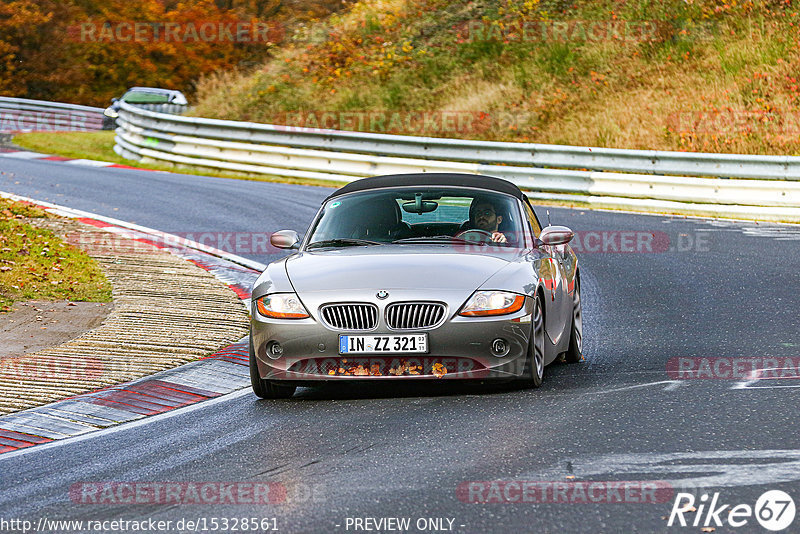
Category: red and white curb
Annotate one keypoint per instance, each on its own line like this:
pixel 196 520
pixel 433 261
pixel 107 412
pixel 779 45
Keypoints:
pixel 11 153
pixel 222 373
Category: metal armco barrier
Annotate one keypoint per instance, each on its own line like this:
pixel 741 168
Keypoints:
pixel 752 187
pixel 23 115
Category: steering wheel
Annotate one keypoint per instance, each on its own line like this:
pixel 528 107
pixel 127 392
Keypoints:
pixel 475 235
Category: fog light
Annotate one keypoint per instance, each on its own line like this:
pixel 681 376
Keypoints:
pixel 499 347
pixel 274 350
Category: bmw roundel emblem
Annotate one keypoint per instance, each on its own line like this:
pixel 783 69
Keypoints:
pixel 382 294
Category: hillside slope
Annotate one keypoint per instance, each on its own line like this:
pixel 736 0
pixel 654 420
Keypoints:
pixel 702 75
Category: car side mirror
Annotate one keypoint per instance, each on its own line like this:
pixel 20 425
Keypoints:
pixel 285 239
pixel 556 235
pixel 114 100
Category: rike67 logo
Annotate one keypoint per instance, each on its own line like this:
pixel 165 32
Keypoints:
pixel 774 510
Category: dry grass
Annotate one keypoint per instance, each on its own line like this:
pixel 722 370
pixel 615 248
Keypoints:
pixel 729 89
pixel 213 94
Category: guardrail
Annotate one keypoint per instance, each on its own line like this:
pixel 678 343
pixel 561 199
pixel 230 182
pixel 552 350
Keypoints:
pixel 736 189
pixel 24 115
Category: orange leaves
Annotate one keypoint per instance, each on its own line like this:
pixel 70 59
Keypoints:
pixel 439 370
pixel 91 51
pixel 352 370
pixel 386 367
pixel 597 78
pixel 19 23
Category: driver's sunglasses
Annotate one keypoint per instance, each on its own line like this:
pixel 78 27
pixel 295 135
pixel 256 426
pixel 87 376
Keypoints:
pixel 484 212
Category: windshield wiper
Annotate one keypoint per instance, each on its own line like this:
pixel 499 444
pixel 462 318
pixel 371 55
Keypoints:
pixel 433 238
pixel 342 242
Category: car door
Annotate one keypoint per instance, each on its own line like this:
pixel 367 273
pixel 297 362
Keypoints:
pixel 563 300
pixel 553 271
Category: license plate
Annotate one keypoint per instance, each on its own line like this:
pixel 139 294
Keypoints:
pixel 383 344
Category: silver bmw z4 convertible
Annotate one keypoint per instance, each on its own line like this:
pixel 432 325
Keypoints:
pixel 417 276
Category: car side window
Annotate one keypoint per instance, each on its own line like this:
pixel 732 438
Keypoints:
pixel 535 227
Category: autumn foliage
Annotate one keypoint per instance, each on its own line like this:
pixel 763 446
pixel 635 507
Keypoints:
pixel 85 51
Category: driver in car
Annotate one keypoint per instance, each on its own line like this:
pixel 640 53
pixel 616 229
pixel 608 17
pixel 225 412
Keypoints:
pixel 483 216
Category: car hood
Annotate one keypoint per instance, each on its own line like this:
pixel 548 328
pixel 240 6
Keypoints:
pixel 394 267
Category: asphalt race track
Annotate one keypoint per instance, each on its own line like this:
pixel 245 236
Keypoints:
pixel 719 293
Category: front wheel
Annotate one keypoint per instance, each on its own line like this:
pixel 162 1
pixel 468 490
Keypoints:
pixel 574 353
pixel 533 374
pixel 266 389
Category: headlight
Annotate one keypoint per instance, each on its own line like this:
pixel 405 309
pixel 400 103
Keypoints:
pixel 281 306
pixel 111 113
pixel 484 303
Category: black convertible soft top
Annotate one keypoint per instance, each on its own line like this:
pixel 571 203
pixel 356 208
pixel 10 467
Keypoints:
pixel 478 181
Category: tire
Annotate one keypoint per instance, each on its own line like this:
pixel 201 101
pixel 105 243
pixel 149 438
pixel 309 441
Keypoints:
pixel 574 353
pixel 533 374
pixel 266 389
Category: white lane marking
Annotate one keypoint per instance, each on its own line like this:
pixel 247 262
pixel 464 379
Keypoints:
pixel 771 387
pixel 130 425
pixel 747 385
pixel 756 377
pixel 24 155
pixel 671 385
pixel 89 163
pixel 710 468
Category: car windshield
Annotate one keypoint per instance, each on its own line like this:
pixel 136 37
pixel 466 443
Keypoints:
pixel 145 97
pixel 419 215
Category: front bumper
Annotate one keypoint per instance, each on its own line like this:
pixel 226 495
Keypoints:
pixel 458 349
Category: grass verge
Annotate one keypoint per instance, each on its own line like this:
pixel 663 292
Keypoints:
pixel 99 146
pixel 37 265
